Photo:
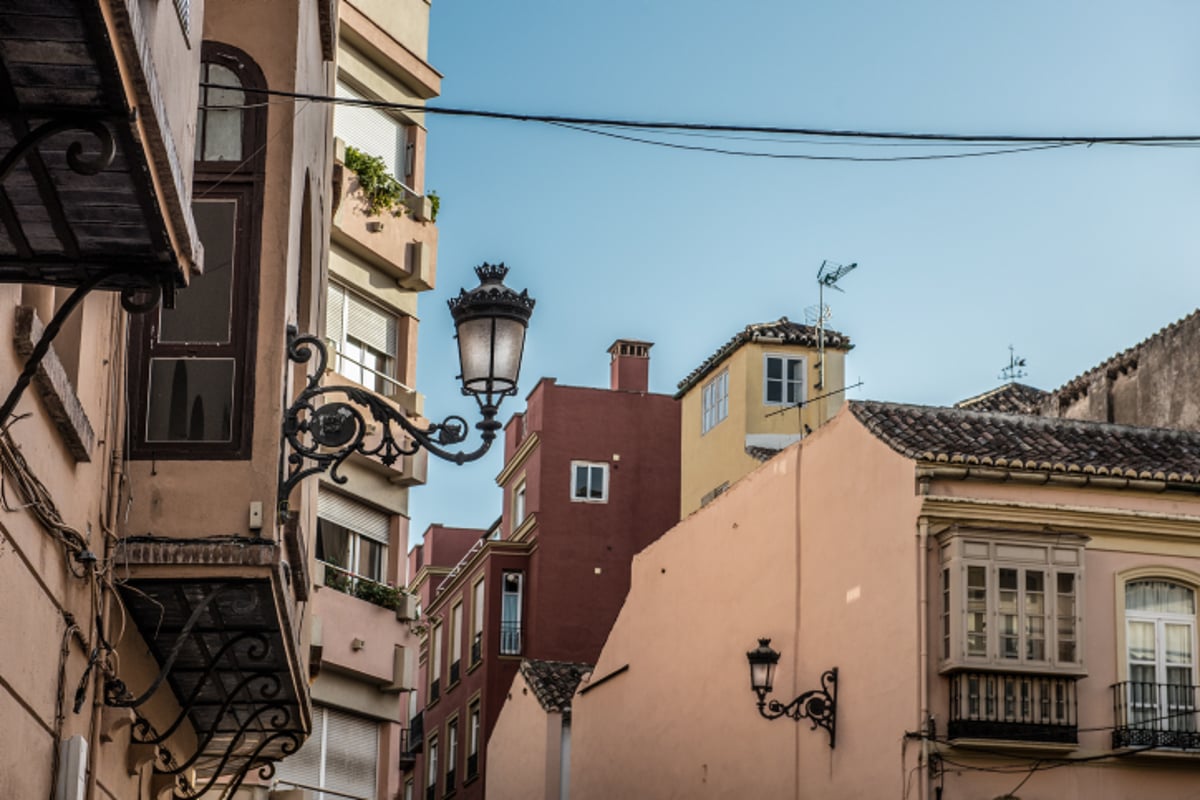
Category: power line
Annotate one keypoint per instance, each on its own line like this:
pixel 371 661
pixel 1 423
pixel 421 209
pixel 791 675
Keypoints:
pixel 835 133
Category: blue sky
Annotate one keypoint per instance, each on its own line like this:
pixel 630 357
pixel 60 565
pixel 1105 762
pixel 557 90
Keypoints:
pixel 1068 255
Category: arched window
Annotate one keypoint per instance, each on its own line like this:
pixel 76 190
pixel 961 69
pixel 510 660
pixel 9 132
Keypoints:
pixel 193 384
pixel 1160 638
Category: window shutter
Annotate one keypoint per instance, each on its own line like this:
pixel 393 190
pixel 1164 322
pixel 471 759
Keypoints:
pixel 371 131
pixel 351 754
pixel 371 325
pixel 358 517
pixel 335 314
pixel 303 768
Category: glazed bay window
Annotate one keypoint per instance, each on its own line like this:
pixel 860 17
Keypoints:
pixel 783 380
pixel 192 366
pixel 714 401
pixel 352 537
pixel 365 337
pixel 589 482
pixel 1011 634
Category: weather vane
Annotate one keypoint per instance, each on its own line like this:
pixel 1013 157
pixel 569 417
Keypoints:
pixel 1015 368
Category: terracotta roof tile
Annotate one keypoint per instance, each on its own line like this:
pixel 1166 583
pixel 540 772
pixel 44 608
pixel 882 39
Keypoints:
pixel 781 330
pixel 1022 442
pixel 1011 398
pixel 554 682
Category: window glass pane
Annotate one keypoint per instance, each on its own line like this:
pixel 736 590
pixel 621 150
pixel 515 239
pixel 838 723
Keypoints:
pixel 333 544
pixel 222 127
pixel 1140 638
pixel 190 400
pixel 597 487
pixel 774 368
pixel 1179 644
pixel 581 481
pixel 1159 596
pixel 203 310
pixel 977 611
pixel 370 559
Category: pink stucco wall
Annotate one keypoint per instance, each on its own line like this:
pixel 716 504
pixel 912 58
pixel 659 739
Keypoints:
pixel 523 752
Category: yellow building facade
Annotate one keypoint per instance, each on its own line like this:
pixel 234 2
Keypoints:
pixel 760 392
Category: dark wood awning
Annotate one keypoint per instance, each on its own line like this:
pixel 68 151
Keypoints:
pixel 224 643
pixel 77 200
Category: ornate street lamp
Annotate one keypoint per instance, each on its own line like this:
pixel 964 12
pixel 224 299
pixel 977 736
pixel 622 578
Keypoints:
pixel 818 706
pixel 490 320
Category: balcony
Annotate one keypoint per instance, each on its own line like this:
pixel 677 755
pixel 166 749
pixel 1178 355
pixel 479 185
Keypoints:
pixel 450 779
pixel 414 735
pixel 1013 707
pixel 472 765
pixel 510 638
pixel 1155 715
pixel 404 247
pixel 455 672
pixel 477 649
pixel 435 690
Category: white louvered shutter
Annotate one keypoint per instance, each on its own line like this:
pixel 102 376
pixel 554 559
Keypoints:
pixel 303 768
pixel 358 517
pixel 372 131
pixel 351 754
pixel 335 314
pixel 371 325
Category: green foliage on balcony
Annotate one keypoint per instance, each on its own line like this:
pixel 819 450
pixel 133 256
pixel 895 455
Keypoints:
pixel 380 594
pixel 379 187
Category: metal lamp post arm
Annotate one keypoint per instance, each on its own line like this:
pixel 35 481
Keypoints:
pixel 322 430
pixel 818 706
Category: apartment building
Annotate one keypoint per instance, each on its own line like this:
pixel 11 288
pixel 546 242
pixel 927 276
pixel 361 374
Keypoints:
pixel 152 195
pixel 591 476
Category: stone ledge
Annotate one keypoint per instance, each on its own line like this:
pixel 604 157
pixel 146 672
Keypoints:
pixel 227 552
pixel 62 403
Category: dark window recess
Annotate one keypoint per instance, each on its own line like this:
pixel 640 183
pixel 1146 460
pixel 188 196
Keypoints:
pixel 472 765
pixel 477 649
pixel 1013 706
pixel 455 671
pixel 1155 715
pixel 435 689
pixel 416 733
pixel 430 793
pixel 449 781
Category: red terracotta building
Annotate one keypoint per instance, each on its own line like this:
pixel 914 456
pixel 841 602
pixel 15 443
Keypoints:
pixel 591 476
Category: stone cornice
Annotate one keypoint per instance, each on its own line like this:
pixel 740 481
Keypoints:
pixel 498 546
pixel 518 459
pixel 362 31
pixel 1062 517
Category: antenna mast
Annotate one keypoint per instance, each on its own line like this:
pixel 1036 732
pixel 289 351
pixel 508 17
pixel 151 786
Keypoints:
pixel 828 275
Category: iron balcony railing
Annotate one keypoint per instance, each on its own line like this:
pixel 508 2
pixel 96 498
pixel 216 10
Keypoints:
pixel 414 740
pixel 455 671
pixel 435 689
pixel 449 781
pixel 472 765
pixel 1155 715
pixel 431 792
pixel 1013 706
pixel 477 649
pixel 510 638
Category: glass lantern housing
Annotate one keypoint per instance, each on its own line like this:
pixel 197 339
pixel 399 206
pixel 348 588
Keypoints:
pixel 491 321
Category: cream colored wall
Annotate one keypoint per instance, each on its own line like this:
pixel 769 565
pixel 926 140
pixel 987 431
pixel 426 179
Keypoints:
pixel 719 456
pixel 406 20
pixel 524 748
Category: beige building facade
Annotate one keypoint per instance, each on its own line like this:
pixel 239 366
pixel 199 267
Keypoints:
pixel 760 392
pixel 1008 600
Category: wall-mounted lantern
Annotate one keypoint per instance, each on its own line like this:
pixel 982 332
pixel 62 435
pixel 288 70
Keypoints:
pixel 818 706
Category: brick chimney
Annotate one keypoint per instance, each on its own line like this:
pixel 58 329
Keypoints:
pixel 630 367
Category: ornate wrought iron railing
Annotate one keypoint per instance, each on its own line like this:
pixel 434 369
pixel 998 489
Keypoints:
pixel 510 638
pixel 1013 706
pixel 1155 715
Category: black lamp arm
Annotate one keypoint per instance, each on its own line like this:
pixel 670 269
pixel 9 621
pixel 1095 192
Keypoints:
pixel 321 432
pixel 818 706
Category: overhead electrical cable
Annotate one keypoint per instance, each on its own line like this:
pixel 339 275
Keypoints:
pixel 835 133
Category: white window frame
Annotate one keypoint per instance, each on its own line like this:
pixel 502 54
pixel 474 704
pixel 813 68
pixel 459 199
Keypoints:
pixel 435 658
pixel 456 631
pixel 801 395
pixel 510 641
pixel 451 769
pixel 965 552
pixel 593 468
pixel 518 504
pixel 349 350
pixel 478 603
pixel 431 763
pixel 714 401
pixel 360 522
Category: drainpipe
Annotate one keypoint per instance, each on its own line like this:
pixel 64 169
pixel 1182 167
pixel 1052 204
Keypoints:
pixel 923 649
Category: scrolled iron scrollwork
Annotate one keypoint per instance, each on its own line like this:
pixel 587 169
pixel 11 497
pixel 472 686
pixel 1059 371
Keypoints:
pixel 326 424
pixel 75 155
pixel 818 706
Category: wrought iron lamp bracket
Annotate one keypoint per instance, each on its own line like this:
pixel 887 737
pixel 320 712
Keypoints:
pixel 326 424
pixel 818 706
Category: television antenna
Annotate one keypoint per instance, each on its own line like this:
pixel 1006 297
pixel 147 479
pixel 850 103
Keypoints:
pixel 1015 368
pixel 827 276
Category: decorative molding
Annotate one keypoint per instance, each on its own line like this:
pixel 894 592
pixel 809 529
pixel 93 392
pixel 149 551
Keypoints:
pixel 53 384
pixel 1054 516
pixel 518 459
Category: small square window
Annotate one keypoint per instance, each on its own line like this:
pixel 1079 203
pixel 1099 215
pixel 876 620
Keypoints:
pixel 589 482
pixel 783 380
